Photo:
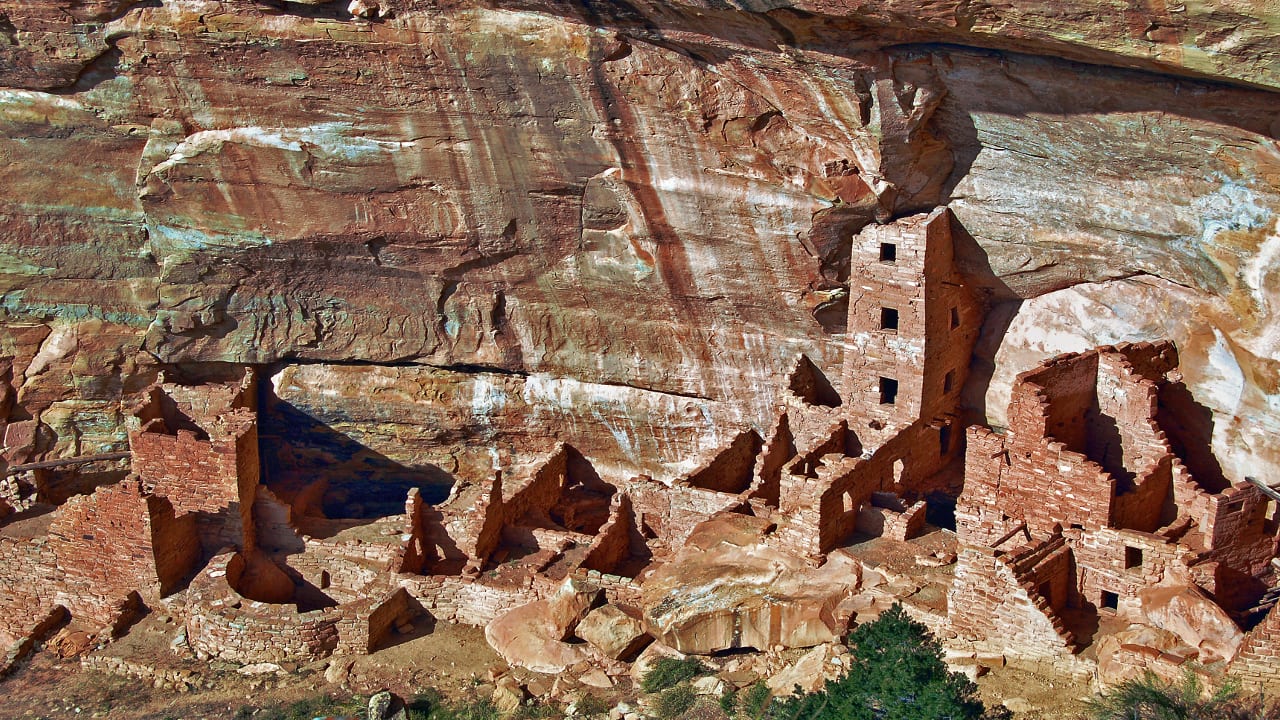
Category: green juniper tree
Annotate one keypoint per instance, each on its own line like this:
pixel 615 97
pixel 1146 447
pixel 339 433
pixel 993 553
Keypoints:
pixel 897 673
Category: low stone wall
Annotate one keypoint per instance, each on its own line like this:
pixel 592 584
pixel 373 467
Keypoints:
pixel 224 624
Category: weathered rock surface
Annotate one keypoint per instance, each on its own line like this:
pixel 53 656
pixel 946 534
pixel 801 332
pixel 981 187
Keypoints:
pixel 1198 621
pixel 613 632
pixel 502 187
pixel 728 589
pixel 532 636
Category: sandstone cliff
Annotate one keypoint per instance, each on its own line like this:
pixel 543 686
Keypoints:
pixel 456 229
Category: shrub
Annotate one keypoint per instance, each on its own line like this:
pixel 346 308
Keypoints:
pixel 674 702
pixel 1150 698
pixel 896 673
pixel 669 672
pixel 754 704
pixel 592 706
pixel 729 701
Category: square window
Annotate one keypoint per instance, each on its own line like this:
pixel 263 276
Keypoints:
pixel 888 319
pixel 1110 600
pixel 1132 557
pixel 888 391
pixel 888 252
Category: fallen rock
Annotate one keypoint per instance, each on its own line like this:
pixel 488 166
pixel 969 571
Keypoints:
pixel 810 672
pixel 385 705
pixel 708 685
pixel 532 635
pixel 508 696
pixel 596 678
pixel 1137 649
pixel 339 670
pixel 1198 621
pixel 1018 705
pixel 650 655
pixel 613 632
pixel 728 589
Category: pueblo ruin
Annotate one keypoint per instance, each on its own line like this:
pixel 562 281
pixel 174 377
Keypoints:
pixel 1095 530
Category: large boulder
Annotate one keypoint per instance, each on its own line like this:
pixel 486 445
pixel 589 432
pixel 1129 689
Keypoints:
pixel 613 632
pixel 1198 621
pixel 533 635
pixel 728 588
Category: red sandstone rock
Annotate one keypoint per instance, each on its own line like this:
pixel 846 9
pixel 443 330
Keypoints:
pixel 613 632
pixel 1197 620
pixel 532 636
pixel 729 589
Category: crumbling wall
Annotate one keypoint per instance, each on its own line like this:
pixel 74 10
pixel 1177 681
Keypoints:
pixel 29 578
pixel 216 478
pixel 988 601
pixel 1257 664
pixel 780 448
pixel 116 541
pixel 366 624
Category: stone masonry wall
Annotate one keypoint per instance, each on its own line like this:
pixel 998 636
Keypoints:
pixel 1257 665
pixel 989 602
pixel 116 541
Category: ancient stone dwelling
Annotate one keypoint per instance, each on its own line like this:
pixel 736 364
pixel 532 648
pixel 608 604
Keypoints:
pixel 1097 516
pixel 1098 505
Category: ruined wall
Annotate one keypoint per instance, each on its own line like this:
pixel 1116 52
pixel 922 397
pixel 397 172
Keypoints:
pixel 117 541
pixel 215 477
pixel 29 577
pixel 990 602
pixel 221 623
pixel 1257 664
pixel 730 471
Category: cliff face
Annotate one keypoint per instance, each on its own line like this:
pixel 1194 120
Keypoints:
pixel 614 223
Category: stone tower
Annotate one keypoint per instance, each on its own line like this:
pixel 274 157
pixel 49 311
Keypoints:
pixel 912 326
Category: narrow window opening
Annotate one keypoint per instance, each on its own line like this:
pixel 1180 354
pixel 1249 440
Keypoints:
pixel 955 318
pixel 888 319
pixel 899 467
pixel 848 502
pixel 944 439
pixel 888 252
pixel 325 580
pixel 888 391
pixel 1110 600
pixel 1132 557
pixel 949 381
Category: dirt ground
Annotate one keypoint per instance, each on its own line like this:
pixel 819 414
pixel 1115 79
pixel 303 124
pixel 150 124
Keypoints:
pixel 453 659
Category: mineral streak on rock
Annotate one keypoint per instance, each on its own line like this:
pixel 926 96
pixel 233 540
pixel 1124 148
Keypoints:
pixel 412 308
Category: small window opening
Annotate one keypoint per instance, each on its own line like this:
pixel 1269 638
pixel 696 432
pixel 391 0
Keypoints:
pixel 955 318
pixel 1046 591
pixel 888 252
pixel 325 580
pixel 1110 600
pixel 899 467
pixel 848 502
pixel 944 439
pixel 888 391
pixel 888 319
pixel 1132 557
pixel 949 381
